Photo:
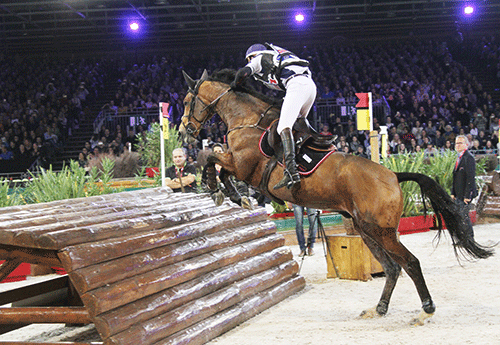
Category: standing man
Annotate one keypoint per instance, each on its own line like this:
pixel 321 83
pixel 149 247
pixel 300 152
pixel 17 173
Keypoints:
pixel 312 216
pixel 181 176
pixel 279 69
pixel 464 189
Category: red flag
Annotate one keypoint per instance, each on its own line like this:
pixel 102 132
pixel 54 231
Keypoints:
pixel 164 110
pixel 363 100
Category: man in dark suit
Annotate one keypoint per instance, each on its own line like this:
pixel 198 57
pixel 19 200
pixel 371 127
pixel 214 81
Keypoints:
pixel 464 189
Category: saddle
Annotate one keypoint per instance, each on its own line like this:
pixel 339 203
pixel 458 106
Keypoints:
pixel 311 150
pixel 311 147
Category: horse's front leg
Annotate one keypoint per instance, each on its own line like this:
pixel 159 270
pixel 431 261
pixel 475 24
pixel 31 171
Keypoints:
pixel 233 192
pixel 211 176
pixel 225 160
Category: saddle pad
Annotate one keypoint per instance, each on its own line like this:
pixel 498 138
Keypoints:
pixel 308 159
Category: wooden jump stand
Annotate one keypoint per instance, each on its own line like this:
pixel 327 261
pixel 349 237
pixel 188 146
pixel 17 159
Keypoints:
pixel 351 257
pixel 149 266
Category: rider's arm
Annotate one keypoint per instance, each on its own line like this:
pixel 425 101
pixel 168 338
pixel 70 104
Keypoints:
pixel 241 76
pixel 254 66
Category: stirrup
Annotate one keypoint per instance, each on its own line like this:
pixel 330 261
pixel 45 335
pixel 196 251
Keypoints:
pixel 288 180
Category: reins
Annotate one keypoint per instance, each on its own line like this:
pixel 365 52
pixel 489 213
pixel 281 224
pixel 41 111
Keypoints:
pixel 256 125
pixel 211 107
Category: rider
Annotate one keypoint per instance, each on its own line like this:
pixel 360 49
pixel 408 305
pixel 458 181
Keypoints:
pixel 279 69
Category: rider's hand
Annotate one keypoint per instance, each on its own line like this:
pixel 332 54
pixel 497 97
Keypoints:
pixel 240 76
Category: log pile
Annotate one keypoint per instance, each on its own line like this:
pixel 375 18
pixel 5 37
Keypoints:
pixel 154 267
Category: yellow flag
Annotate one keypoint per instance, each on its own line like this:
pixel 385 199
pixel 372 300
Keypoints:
pixel 363 119
pixel 165 119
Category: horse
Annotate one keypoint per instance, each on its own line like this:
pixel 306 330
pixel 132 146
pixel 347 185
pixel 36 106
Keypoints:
pixel 356 187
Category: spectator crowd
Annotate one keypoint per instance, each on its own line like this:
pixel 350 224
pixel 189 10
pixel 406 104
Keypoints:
pixel 431 96
pixel 42 100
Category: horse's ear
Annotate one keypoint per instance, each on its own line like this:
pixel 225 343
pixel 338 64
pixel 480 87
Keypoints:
pixel 204 75
pixel 190 81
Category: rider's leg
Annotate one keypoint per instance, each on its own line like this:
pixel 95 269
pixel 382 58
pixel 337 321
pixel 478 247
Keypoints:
pixel 299 98
pixel 291 175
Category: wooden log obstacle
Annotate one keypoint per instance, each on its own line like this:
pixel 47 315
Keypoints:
pixel 489 199
pixel 151 266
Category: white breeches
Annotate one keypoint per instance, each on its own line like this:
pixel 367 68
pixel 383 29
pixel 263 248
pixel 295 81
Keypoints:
pixel 299 98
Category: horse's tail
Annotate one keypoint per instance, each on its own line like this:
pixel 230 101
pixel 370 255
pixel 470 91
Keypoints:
pixel 456 218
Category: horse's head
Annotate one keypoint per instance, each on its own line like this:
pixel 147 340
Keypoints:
pixel 199 107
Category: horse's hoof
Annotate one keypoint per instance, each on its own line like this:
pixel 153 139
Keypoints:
pixel 218 198
pixel 369 313
pixel 428 306
pixel 382 307
pixel 420 319
pixel 246 203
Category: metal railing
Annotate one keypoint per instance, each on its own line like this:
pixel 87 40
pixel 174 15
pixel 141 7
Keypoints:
pixel 327 111
pixel 324 111
pixel 130 119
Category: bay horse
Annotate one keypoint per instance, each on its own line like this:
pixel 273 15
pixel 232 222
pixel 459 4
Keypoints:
pixel 354 186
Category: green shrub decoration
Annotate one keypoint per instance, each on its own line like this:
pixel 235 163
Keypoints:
pixel 440 167
pixel 149 146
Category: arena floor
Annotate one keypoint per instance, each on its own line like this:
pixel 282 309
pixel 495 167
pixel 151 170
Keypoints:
pixel 326 311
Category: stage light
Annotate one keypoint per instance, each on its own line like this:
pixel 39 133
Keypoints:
pixel 468 10
pixel 134 26
pixel 299 17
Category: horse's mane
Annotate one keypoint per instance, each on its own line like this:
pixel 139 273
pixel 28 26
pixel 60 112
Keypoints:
pixel 227 75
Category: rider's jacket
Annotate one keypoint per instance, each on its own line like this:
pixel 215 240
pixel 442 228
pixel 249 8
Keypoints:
pixel 276 66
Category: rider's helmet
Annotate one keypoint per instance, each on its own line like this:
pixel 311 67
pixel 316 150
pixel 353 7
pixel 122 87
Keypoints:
pixel 254 50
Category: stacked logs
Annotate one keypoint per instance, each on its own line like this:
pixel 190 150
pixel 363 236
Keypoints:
pixel 155 267
pixel 489 200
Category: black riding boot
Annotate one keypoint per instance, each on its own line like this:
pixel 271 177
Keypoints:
pixel 291 176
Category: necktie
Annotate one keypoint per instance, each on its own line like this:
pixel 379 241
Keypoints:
pixel 458 160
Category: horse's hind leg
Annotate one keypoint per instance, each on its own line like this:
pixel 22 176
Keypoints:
pixel 391 270
pixel 401 255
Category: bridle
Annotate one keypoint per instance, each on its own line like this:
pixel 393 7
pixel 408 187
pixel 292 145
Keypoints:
pixel 209 108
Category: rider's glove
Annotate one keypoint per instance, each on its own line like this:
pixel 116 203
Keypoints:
pixel 240 76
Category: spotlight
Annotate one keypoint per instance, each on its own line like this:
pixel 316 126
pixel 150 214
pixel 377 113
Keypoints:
pixel 299 17
pixel 134 26
pixel 468 10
